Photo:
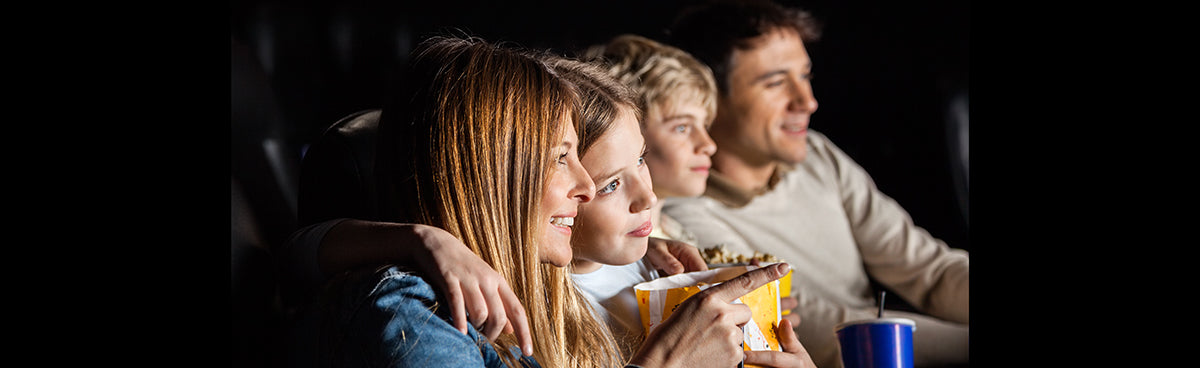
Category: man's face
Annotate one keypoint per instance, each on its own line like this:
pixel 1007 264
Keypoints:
pixel 764 116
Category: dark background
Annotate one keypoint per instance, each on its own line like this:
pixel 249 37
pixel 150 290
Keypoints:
pixel 883 74
pixel 882 71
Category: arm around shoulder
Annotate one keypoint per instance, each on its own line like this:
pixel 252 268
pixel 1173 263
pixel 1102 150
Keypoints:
pixel 393 320
pixel 472 288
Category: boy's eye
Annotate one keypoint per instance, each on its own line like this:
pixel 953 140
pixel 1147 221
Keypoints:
pixel 610 187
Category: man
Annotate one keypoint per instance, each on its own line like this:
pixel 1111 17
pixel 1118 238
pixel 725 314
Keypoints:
pixel 778 187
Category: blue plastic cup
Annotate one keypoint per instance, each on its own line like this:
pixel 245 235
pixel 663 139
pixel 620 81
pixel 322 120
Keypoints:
pixel 877 342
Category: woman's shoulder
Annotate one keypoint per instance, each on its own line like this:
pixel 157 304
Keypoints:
pixel 381 281
pixel 391 307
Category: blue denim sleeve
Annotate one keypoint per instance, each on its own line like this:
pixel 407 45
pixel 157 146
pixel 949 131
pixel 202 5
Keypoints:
pixel 399 324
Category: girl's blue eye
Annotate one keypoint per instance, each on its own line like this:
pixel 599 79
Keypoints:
pixel 641 161
pixel 610 187
pixel 681 128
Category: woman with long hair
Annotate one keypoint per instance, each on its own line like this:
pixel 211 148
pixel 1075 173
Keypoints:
pixel 482 143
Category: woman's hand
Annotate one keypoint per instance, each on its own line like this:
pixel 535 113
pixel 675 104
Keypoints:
pixel 673 257
pixel 706 329
pixel 785 303
pixel 794 355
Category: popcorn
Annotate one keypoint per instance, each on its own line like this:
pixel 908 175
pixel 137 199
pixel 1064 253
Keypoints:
pixel 720 255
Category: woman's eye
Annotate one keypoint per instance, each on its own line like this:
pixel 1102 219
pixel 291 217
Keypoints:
pixel 682 128
pixel 641 161
pixel 562 159
pixel 610 187
pixel 775 83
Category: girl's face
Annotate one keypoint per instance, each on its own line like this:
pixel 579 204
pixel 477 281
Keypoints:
pixel 567 187
pixel 614 227
pixel 680 149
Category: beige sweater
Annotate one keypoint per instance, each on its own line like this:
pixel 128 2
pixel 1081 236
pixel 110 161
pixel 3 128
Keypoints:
pixel 826 218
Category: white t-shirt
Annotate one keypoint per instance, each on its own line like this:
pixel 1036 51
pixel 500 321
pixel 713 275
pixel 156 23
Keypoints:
pixel 610 291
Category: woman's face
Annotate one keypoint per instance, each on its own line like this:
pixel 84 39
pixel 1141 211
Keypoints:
pixel 613 228
pixel 680 149
pixel 567 187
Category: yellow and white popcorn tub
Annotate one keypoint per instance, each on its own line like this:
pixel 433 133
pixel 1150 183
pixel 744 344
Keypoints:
pixel 657 299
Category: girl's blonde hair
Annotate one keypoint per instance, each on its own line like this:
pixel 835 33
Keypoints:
pixel 602 97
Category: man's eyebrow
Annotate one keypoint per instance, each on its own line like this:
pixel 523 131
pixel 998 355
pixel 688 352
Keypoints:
pixel 769 74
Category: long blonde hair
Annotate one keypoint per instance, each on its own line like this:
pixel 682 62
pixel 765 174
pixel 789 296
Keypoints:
pixel 467 148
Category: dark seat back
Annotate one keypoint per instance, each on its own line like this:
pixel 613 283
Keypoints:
pixel 337 173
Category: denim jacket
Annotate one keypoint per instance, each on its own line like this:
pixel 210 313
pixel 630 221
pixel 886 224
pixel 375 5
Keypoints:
pixel 391 318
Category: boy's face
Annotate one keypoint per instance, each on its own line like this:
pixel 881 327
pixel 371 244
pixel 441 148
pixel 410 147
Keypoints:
pixel 679 148
pixel 764 116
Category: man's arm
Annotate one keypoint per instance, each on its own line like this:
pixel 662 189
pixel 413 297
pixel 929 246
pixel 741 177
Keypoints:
pixel 897 253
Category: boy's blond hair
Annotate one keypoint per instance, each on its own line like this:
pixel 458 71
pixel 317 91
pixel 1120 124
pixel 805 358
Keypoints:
pixel 664 76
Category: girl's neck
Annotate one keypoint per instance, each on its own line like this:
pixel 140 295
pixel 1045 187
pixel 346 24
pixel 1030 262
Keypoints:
pixel 583 266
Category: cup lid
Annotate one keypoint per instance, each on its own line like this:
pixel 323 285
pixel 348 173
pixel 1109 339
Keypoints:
pixel 877 321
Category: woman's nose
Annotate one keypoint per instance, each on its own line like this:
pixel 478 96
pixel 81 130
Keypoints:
pixel 584 188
